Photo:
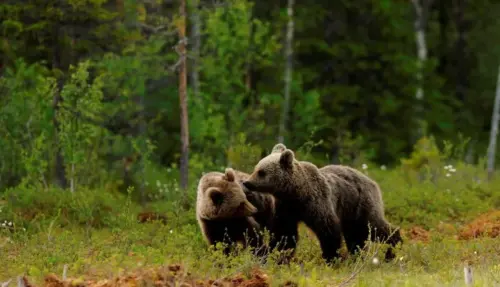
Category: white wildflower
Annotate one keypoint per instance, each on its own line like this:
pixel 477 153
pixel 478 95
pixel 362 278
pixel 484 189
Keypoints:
pixel 3 224
pixel 448 175
pixel 171 231
pixel 364 166
pixel 401 258
pixel 375 260
pixel 452 170
pixel 9 224
pixel 383 167
pixel 169 170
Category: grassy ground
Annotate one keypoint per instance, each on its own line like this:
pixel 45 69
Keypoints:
pixel 106 253
pixel 96 234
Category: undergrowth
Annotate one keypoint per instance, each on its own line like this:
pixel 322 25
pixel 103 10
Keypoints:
pixel 96 232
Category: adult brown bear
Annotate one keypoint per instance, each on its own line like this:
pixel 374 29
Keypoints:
pixel 331 201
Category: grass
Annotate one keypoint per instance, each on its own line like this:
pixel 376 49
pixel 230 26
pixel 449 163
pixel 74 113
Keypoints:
pixel 106 252
pixel 96 234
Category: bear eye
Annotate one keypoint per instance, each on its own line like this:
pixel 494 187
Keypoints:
pixel 261 173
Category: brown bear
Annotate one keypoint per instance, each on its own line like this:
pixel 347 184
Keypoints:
pixel 331 201
pixel 226 215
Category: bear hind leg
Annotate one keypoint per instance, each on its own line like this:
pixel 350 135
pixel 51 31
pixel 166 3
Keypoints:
pixel 355 237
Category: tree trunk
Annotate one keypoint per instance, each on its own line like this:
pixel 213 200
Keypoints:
pixel 494 131
pixel 421 11
pixel 183 100
pixel 288 72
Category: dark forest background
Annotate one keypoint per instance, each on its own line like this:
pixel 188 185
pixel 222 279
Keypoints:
pixel 91 91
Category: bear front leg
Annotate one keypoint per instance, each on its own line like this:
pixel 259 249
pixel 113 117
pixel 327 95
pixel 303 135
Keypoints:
pixel 391 235
pixel 216 231
pixel 285 241
pixel 326 226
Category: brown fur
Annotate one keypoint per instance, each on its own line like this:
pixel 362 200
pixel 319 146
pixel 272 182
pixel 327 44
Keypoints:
pixel 331 200
pixel 280 220
pixel 226 215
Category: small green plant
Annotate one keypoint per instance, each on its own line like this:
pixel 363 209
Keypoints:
pixel 80 100
pixel 425 162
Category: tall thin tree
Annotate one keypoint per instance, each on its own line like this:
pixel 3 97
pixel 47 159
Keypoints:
pixel 494 131
pixel 421 8
pixel 288 72
pixel 183 99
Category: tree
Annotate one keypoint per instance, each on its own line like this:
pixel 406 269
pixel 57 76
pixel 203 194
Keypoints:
pixel 288 71
pixel 183 98
pixel 494 130
pixel 422 8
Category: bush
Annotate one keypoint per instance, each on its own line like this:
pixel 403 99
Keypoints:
pixel 26 206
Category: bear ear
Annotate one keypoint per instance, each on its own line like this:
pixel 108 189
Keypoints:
pixel 229 174
pixel 286 158
pixel 279 148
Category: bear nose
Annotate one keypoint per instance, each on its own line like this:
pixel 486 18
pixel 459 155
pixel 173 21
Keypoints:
pixel 217 197
pixel 248 185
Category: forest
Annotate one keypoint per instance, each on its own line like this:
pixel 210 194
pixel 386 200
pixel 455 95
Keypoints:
pixel 111 112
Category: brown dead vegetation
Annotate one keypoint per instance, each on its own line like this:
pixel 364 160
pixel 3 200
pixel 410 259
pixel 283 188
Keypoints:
pixel 172 275
pixel 145 217
pixel 416 233
pixel 487 224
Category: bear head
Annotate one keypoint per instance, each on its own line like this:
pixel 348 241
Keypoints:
pixel 221 196
pixel 273 173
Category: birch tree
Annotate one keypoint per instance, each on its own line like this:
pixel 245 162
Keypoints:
pixel 421 8
pixel 183 98
pixel 494 130
pixel 288 72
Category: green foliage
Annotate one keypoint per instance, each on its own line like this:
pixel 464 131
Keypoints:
pixel 25 112
pixel 81 103
pixel 33 208
pixel 232 41
pixel 426 158
pixel 243 156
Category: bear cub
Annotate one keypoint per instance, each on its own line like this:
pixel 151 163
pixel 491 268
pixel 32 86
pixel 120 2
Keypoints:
pixel 224 213
pixel 332 201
